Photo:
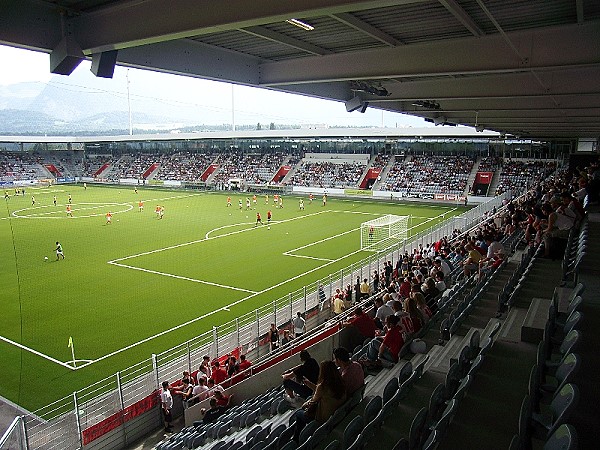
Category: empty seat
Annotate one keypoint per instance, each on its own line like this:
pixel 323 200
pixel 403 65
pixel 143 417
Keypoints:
pixel 562 406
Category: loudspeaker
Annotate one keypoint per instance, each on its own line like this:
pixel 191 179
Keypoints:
pixel 66 56
pixel 356 103
pixel 103 64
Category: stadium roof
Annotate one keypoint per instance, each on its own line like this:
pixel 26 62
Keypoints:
pixel 319 133
pixel 528 68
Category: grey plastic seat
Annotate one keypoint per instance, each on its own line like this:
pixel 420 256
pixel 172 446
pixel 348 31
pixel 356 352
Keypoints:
pixel 307 431
pixel 261 435
pixel 442 424
pixel 219 445
pixel 260 445
pixel 252 417
pixel 333 445
pixel 372 409
pixel 475 365
pixel 574 305
pixel 405 372
pixel 462 388
pixel 564 438
pixel 564 373
pixel 524 436
pixel 415 435
pixel 289 445
pixel 223 429
pixel 452 380
pixel 237 445
pixel 319 435
pixel 571 323
pixel 474 344
pixel 562 406
pixel 276 432
pixel 390 389
pixel 352 430
pixel 432 440
pixel 402 444
pixel 568 345
pixel 285 436
pixel 253 433
pixel 436 403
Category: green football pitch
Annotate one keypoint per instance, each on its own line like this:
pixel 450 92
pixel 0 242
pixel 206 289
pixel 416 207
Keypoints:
pixel 124 289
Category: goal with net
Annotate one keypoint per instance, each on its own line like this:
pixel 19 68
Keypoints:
pixel 383 232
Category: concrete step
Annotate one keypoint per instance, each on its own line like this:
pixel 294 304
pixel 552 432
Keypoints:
pixel 511 328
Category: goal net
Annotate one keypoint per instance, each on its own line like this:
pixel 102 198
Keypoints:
pixel 383 232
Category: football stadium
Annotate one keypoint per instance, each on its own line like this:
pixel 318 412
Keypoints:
pixel 311 288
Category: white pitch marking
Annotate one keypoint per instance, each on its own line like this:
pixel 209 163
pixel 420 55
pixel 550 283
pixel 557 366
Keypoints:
pixel 181 277
pixel 35 352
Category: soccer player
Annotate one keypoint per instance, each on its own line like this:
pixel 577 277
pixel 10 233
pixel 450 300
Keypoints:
pixel 6 195
pixel 240 203
pixel 301 205
pixel 258 219
pixel 85 186
pixel 228 202
pixel 135 190
pixel 280 202
pixel 59 251
pixel 54 200
pixel 324 199
pixel 157 211
pixel 161 212
pixel 69 211
pixel 269 215
pixel 32 200
pixel 275 200
pixel 140 206
pixel 108 218
pixel 254 200
pixel 70 199
pixel 266 199
pixel 247 203
pixel 310 198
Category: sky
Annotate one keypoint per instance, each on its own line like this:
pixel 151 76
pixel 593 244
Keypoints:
pixel 209 101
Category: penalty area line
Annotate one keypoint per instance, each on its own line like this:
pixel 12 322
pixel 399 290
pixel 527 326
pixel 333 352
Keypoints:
pixel 179 277
pixel 35 352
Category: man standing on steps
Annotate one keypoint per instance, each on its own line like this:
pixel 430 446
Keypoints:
pixel 299 325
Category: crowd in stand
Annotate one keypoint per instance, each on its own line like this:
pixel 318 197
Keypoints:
pixel 251 168
pixel 326 174
pixel 17 167
pixel 518 175
pixel 490 164
pixel 430 174
pixel 184 166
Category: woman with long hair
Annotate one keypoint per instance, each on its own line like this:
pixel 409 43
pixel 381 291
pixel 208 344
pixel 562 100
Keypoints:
pixel 329 395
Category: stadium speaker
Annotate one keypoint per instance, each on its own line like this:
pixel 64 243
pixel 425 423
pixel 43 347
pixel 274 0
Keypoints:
pixel 65 57
pixel 356 104
pixel 103 64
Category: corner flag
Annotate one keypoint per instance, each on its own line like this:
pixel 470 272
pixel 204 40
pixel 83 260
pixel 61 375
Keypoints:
pixel 72 347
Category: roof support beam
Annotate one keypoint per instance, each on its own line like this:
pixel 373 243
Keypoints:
pixel 543 48
pixel 274 36
pixel 461 15
pixel 367 29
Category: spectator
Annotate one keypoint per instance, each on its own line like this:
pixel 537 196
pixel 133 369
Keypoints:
pixel 299 325
pixel 166 401
pixel 352 372
pixel 286 339
pixel 273 335
pixel 199 393
pixel 294 379
pixel 329 395
pixel 365 289
pixel 205 367
pixel 222 399
pixel 214 412
pixel 244 364
pixel 382 312
pixel 388 349
pixel 219 374
pixel 363 323
pixel 213 387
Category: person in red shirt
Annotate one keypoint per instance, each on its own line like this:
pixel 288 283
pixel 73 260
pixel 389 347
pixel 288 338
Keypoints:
pixel 363 323
pixel 244 363
pixel 222 399
pixel 389 348
pixel 218 374
pixel 258 219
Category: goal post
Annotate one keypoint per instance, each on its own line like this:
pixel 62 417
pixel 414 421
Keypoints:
pixel 383 232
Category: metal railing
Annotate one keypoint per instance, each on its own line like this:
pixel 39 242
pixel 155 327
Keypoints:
pixel 60 425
